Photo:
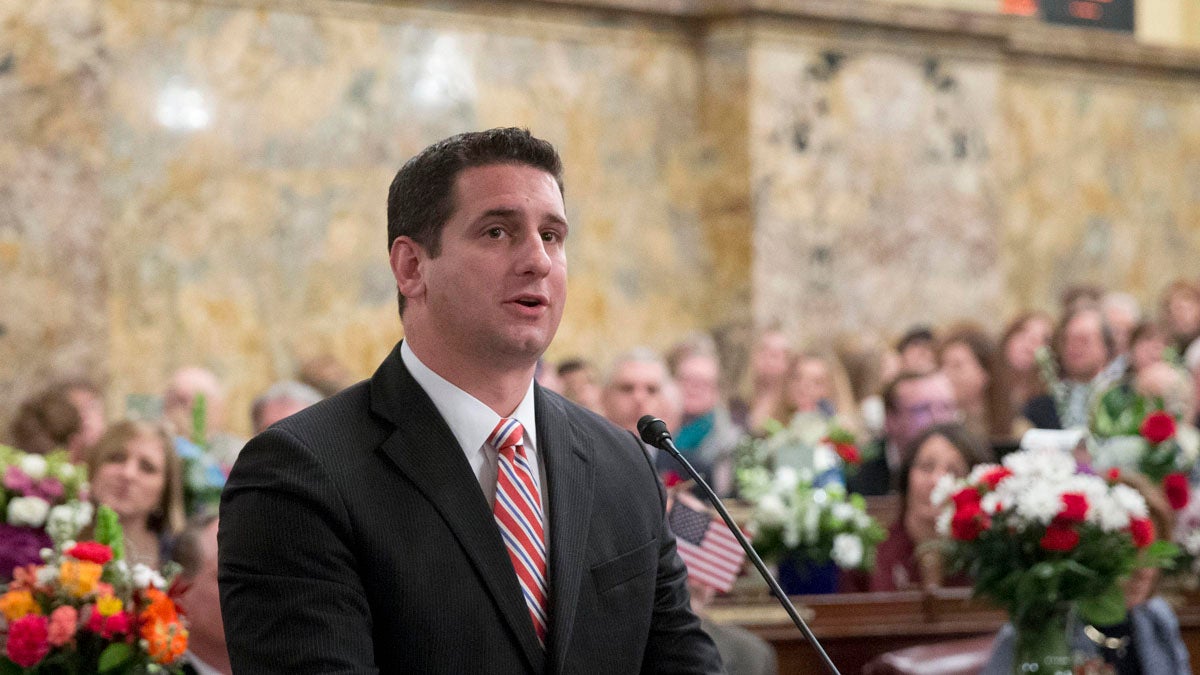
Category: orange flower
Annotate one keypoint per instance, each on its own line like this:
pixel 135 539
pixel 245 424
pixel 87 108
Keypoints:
pixel 161 607
pixel 16 604
pixel 79 578
pixel 166 640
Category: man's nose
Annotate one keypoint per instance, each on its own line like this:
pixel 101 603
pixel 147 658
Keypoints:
pixel 535 259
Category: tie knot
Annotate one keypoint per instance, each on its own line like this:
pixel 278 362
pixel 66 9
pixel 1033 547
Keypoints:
pixel 508 433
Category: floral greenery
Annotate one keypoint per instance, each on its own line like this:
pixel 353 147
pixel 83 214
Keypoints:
pixel 38 494
pixel 811 444
pixel 86 611
pixel 1035 533
pixel 1135 431
pixel 203 479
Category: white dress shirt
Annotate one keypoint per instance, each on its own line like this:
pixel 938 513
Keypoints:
pixel 472 422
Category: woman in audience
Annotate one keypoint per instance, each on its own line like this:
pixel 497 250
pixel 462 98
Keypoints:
pixel 134 471
pixel 1147 346
pixel 49 421
pixel 1016 370
pixel 764 388
pixel 816 384
pixel 967 356
pixel 1148 641
pixel 906 560
pixel 1181 312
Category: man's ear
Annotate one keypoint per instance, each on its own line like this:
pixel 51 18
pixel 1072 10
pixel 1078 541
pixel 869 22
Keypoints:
pixel 406 257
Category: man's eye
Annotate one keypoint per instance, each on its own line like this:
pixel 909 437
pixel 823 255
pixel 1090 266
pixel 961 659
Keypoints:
pixel 495 232
pixel 551 237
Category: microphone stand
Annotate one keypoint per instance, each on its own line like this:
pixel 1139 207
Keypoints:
pixel 654 431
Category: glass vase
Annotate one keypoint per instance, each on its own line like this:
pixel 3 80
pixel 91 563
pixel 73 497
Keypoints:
pixel 1043 642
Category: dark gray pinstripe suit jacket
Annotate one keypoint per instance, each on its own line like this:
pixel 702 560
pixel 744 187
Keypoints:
pixel 354 539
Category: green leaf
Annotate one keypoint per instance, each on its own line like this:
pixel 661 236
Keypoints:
pixel 108 532
pixel 200 421
pixel 9 668
pixel 114 656
pixel 1106 608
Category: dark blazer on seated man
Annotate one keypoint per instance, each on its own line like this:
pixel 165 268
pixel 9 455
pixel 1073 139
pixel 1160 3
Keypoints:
pixel 380 553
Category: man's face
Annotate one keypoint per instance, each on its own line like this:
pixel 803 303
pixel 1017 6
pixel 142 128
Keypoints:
pixel 636 389
pixel 580 386
pixel 697 379
pixel 1084 354
pixel 497 289
pixel 202 600
pixel 275 410
pixel 920 404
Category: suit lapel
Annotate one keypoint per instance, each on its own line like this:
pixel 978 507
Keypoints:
pixel 569 493
pixel 425 451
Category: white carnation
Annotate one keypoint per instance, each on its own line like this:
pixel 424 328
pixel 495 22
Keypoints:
pixel 34 466
pixel 1130 500
pixel 824 458
pixel 1109 515
pixel 771 510
pixel 66 520
pixel 943 522
pixel 1039 504
pixel 786 479
pixel 946 486
pixel 843 512
pixel 847 551
pixel 1189 445
pixel 144 577
pixel 977 473
pixel 1191 543
pixel 66 472
pixel 28 511
pixel 812 524
pixel 47 575
pixel 994 501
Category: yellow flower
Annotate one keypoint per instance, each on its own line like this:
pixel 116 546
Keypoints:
pixel 108 605
pixel 79 577
pixel 16 604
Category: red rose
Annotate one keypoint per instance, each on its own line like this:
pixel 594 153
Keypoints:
pixel 1075 507
pixel 91 551
pixel 1143 532
pixel 992 478
pixel 1114 475
pixel 28 640
pixel 966 497
pixel 847 452
pixel 670 479
pixel 108 626
pixel 1060 537
pixel 969 522
pixel 1158 427
pixel 1176 487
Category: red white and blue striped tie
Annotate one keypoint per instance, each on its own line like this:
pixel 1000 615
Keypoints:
pixel 518 512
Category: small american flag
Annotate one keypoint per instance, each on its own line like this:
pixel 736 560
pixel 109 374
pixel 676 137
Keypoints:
pixel 710 551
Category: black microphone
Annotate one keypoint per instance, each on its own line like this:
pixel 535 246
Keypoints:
pixel 654 432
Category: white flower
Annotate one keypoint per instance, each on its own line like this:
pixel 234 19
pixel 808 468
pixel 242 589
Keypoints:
pixel 843 512
pixel 824 458
pixel 786 479
pixel 1039 503
pixel 946 486
pixel 771 510
pixel 1109 515
pixel 994 501
pixel 1131 500
pixel 47 575
pixel 943 522
pixel 847 551
pixel 1189 445
pixel 66 472
pixel 812 523
pixel 66 520
pixel 28 511
pixel 977 473
pixel 1191 543
pixel 34 466
pixel 144 577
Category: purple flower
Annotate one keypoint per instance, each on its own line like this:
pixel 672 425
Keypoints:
pixel 50 489
pixel 20 546
pixel 18 481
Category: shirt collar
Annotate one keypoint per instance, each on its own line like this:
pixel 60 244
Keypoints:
pixel 470 420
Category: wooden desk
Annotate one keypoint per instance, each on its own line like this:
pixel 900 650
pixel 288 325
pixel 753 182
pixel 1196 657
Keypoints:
pixel 856 627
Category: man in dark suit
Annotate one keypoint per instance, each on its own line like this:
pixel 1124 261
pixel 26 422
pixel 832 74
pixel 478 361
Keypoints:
pixel 448 515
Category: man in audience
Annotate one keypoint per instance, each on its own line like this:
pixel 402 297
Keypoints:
pixel 578 378
pixel 281 400
pixel 912 402
pixel 918 350
pixel 196 553
pixel 635 388
pixel 1084 345
pixel 398 526
pixel 184 388
pixel 707 436
pixel 325 373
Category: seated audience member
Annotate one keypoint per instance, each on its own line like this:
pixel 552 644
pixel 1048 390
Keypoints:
pixel 817 384
pixel 325 373
pixel 200 599
pixel 967 357
pixel 1122 313
pixel 913 402
pixel 1148 641
pixel 1180 307
pixel 546 375
pixel 634 388
pixel 1018 371
pixel 48 421
pixel 134 472
pixel 281 400
pixel 707 435
pixel 1147 345
pixel 863 360
pixel 1191 360
pixel 905 560
pixel 1078 296
pixel 179 400
pixel 1083 346
pixel 764 389
pixel 579 383
pixel 918 350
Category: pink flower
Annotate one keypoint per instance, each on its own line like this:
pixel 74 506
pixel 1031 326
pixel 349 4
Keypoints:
pixel 27 643
pixel 63 622
pixel 107 626
pixel 50 489
pixel 18 481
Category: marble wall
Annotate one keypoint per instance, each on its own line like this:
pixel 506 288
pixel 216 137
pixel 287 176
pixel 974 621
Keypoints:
pixel 204 181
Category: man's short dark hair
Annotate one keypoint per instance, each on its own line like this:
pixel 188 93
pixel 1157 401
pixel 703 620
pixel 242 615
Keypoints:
pixel 916 335
pixel 421 198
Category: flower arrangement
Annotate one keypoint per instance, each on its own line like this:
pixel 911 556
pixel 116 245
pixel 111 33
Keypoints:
pixel 1036 533
pixel 38 493
pixel 84 610
pixel 1132 431
pixel 203 477
pixel 816 447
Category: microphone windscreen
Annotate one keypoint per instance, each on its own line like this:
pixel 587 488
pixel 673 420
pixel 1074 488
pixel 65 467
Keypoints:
pixel 652 430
